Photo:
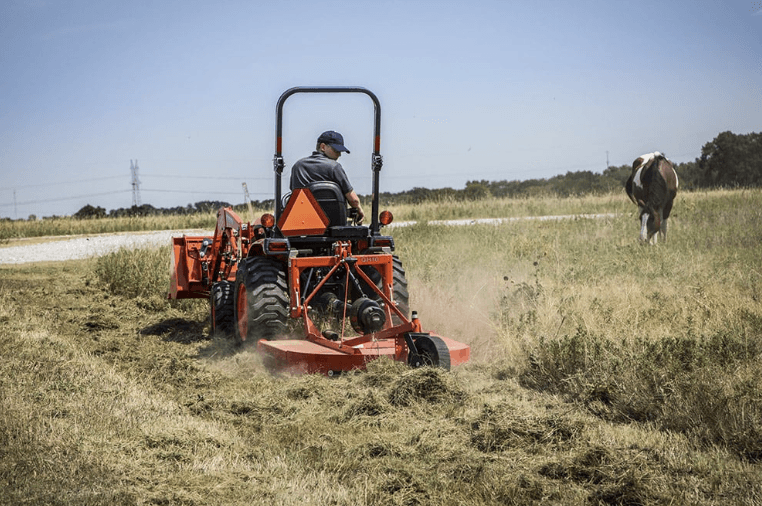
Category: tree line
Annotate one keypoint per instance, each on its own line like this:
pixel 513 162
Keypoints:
pixel 729 160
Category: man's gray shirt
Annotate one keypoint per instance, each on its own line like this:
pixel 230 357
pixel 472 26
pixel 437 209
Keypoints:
pixel 318 167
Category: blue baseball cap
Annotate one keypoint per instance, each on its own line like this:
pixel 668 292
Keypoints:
pixel 333 139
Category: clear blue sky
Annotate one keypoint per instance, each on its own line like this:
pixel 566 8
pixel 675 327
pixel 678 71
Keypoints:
pixel 495 90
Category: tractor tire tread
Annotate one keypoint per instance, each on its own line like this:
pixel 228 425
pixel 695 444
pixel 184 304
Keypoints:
pixel 222 314
pixel 267 298
pixel 399 288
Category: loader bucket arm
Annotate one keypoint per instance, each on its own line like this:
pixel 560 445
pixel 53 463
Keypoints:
pixel 278 163
pixel 198 261
pixel 226 248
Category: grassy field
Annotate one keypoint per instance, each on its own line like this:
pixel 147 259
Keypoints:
pixel 446 209
pixel 603 372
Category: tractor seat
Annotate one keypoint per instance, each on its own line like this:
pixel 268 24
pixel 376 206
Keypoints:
pixel 332 201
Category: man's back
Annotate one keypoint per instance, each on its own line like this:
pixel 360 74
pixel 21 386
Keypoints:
pixel 322 165
pixel 318 167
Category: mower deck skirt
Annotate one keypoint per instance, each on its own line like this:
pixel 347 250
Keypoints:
pixel 303 356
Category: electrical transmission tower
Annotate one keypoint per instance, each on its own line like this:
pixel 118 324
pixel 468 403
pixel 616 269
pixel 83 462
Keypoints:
pixel 135 184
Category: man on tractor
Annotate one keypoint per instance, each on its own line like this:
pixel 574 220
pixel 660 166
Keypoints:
pixel 323 165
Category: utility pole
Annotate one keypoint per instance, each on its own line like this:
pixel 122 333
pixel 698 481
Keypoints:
pixel 15 209
pixel 607 159
pixel 247 199
pixel 135 184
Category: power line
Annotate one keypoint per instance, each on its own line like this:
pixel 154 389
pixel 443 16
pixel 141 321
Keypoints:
pixel 66 182
pixel 61 199
pixel 171 176
pixel 203 192
pixel 183 176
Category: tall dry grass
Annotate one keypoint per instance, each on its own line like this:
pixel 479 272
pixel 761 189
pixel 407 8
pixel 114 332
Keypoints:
pixel 454 209
pixel 668 334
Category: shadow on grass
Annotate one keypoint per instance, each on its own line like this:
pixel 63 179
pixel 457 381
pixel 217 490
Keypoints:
pixel 178 330
pixel 188 331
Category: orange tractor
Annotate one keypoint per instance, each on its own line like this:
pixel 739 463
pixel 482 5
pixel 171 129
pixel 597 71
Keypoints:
pixel 310 261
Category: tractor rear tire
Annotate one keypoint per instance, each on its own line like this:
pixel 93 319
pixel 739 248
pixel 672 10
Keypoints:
pixel 221 309
pixel 401 295
pixel 432 351
pixel 261 300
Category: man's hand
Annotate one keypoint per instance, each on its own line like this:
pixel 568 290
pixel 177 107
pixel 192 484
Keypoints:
pixel 354 201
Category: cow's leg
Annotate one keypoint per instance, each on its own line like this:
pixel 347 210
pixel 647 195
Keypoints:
pixel 667 211
pixel 655 230
pixel 644 227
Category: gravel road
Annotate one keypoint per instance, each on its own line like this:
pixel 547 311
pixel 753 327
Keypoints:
pixel 77 248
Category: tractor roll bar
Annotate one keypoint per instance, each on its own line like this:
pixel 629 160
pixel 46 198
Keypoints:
pixel 376 162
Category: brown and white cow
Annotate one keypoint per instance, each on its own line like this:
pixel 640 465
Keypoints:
pixel 652 186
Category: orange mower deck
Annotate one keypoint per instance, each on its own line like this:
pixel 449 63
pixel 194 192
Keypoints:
pixel 304 356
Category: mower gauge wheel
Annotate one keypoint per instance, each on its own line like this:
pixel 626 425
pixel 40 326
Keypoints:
pixel 432 351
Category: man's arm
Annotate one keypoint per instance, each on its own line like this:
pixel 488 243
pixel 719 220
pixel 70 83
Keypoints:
pixel 354 201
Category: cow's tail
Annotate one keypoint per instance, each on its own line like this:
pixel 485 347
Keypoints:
pixel 659 192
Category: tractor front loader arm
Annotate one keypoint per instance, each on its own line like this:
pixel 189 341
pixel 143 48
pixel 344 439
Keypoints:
pixel 199 261
pixel 226 248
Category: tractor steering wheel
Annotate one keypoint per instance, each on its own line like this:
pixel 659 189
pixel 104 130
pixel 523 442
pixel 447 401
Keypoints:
pixel 352 214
